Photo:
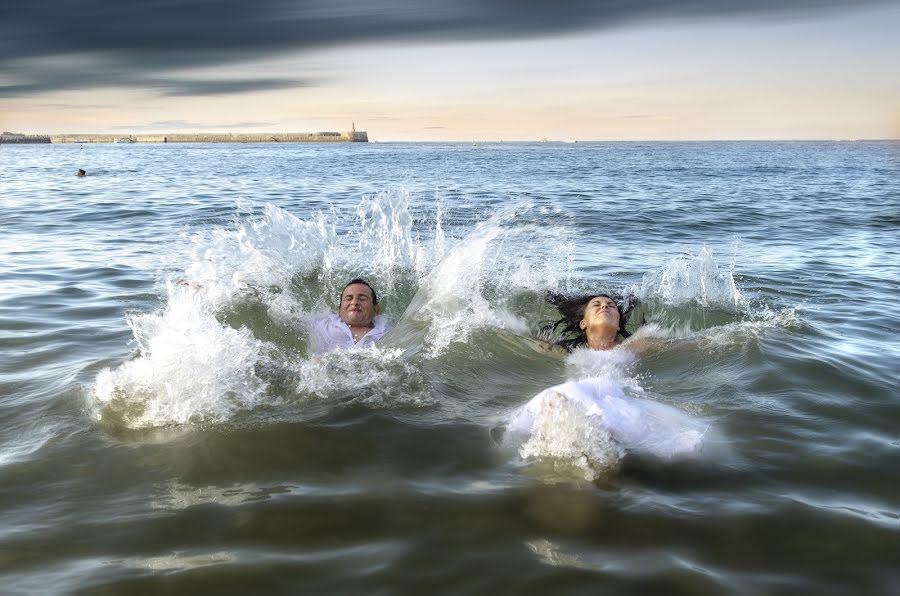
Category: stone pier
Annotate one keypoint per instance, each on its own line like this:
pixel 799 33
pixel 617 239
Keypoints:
pixel 352 136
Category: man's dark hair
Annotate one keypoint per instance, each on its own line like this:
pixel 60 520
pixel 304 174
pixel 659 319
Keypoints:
pixel 572 310
pixel 363 282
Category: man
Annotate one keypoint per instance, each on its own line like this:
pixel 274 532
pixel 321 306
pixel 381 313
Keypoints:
pixel 357 323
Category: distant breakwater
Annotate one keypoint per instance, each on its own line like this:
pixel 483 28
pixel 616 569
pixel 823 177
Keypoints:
pixel 353 136
pixel 11 137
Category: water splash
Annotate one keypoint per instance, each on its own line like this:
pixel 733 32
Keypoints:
pixel 470 288
pixel 615 365
pixel 738 332
pixel 232 317
pixel 190 368
pixel 372 377
pixel 270 253
pixel 387 243
pixel 260 253
pixel 693 279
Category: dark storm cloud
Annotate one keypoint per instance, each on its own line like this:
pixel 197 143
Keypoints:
pixel 47 78
pixel 151 37
pixel 181 88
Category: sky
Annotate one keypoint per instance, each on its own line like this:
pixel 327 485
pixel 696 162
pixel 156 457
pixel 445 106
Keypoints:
pixel 455 70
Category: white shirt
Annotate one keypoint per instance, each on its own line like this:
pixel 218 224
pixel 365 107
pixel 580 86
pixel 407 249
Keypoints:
pixel 329 333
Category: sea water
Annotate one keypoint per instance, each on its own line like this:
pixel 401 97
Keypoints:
pixel 163 427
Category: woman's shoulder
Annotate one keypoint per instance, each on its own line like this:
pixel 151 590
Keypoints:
pixel 645 341
pixel 542 346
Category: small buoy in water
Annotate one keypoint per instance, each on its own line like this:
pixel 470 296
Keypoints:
pixel 80 172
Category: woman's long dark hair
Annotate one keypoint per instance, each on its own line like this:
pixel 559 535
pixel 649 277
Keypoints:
pixel 568 328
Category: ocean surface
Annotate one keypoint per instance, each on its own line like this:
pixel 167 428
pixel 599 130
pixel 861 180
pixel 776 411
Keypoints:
pixel 164 430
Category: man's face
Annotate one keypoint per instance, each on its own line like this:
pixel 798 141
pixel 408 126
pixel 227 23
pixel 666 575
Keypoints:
pixel 357 306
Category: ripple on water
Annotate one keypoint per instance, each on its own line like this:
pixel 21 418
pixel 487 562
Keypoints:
pixel 334 484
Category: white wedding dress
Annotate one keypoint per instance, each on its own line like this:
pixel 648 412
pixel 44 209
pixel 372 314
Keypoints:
pixel 592 417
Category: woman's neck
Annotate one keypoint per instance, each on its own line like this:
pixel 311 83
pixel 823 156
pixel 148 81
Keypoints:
pixel 602 339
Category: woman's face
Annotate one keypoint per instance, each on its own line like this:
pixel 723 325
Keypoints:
pixel 600 311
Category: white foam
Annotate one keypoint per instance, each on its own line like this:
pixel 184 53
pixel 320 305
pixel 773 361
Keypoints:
pixel 612 364
pixel 180 562
pixel 371 376
pixel 191 368
pixel 739 332
pixel 550 553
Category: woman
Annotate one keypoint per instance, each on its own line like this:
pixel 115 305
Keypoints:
pixel 596 322
pixel 591 420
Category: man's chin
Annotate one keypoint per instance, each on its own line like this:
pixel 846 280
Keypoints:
pixel 357 321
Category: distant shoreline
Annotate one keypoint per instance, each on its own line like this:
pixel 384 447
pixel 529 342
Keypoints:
pixel 352 136
pixel 359 137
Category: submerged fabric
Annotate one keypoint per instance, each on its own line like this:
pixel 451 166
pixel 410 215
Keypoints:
pixel 328 333
pixel 636 424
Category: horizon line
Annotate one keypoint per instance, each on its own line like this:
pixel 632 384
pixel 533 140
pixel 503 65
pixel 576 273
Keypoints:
pixel 567 140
